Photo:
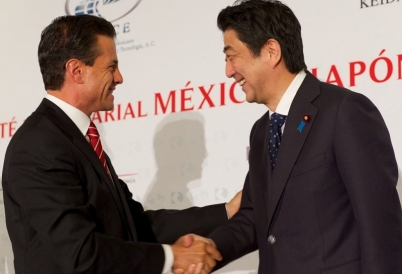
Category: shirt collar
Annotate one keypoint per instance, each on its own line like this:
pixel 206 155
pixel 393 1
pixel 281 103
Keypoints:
pixel 80 119
pixel 290 93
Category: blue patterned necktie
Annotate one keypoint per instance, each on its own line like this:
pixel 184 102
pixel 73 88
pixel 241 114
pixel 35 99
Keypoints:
pixel 275 136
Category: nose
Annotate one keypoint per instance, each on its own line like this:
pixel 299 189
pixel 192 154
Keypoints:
pixel 229 70
pixel 117 77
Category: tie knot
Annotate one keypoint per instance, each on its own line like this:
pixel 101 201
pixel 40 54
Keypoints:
pixel 277 119
pixel 92 131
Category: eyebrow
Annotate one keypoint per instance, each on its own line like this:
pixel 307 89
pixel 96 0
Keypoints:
pixel 225 49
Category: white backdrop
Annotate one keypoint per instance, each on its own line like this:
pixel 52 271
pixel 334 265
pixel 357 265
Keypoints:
pixel 179 132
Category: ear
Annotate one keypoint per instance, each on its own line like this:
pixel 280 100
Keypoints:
pixel 272 49
pixel 75 70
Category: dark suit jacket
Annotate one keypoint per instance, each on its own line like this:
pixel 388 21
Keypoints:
pixel 64 215
pixel 331 204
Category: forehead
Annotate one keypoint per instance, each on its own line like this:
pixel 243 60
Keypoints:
pixel 107 46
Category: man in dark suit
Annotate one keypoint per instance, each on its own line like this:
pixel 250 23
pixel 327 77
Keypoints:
pixel 321 198
pixel 66 209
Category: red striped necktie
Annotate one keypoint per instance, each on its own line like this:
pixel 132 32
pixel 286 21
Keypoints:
pixel 95 141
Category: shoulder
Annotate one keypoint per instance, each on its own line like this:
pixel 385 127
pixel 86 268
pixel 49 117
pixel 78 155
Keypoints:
pixel 38 135
pixel 341 97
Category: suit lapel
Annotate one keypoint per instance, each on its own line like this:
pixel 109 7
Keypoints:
pixel 65 124
pixel 114 187
pixel 293 139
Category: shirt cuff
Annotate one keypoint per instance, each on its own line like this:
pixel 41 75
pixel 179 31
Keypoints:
pixel 168 259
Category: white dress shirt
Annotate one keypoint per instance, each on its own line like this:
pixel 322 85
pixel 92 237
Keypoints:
pixel 287 98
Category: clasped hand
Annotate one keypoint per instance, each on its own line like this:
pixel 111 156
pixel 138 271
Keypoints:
pixel 194 254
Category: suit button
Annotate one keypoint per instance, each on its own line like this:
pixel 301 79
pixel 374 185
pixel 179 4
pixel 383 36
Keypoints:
pixel 271 239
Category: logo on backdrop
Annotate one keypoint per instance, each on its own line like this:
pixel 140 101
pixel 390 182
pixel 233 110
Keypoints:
pixel 375 3
pixel 111 10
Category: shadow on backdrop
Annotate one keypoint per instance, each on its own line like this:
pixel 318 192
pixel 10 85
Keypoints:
pixel 180 150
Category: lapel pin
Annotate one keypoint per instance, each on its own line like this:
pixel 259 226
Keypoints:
pixel 306 119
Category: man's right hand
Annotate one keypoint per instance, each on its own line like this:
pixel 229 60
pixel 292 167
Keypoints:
pixel 194 256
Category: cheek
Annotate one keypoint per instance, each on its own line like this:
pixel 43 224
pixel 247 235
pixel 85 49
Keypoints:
pixel 257 73
pixel 245 69
pixel 107 79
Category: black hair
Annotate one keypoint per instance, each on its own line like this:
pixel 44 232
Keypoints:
pixel 70 37
pixel 257 21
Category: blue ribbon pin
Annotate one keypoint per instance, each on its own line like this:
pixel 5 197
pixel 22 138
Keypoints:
pixel 301 126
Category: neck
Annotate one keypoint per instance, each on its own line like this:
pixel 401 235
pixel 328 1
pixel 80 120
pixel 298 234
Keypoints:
pixel 278 87
pixel 69 98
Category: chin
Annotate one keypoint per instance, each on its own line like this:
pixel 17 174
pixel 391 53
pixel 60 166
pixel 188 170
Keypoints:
pixel 109 107
pixel 250 100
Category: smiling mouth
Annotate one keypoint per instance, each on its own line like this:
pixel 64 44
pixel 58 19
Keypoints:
pixel 242 82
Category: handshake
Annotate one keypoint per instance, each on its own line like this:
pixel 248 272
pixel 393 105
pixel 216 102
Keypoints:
pixel 194 254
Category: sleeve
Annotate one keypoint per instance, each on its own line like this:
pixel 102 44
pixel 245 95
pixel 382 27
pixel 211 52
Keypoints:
pixel 167 225
pixel 367 164
pixel 46 197
pixel 237 237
